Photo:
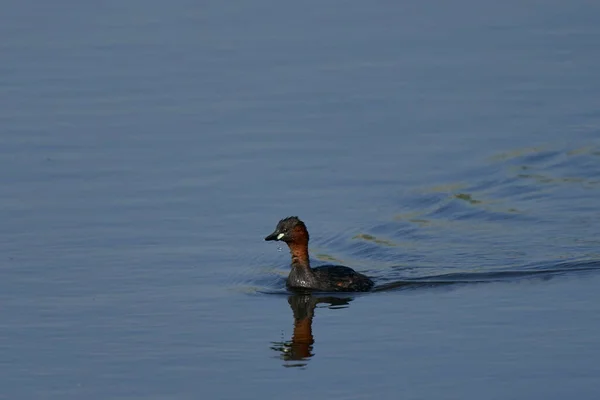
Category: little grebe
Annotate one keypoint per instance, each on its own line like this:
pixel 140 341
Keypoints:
pixel 327 278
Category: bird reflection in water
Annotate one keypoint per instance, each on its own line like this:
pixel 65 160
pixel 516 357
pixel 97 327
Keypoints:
pixel 297 351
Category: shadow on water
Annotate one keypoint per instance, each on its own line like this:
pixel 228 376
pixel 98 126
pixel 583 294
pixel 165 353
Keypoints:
pixel 297 351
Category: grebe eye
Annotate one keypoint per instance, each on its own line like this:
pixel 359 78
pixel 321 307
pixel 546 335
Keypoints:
pixel 280 236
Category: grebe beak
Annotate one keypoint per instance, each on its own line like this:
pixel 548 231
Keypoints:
pixel 275 236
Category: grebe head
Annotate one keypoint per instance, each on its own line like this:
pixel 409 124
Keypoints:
pixel 290 230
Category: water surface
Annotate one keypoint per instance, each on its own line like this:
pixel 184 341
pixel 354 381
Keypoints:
pixel 146 150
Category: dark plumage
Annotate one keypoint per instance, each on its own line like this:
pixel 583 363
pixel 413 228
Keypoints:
pixel 327 278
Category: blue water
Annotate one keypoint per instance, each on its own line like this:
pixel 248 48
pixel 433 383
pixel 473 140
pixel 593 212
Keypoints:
pixel 449 150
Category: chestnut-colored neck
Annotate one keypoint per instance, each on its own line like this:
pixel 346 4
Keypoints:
pixel 299 252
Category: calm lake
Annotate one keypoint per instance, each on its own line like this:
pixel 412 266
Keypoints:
pixel 449 150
